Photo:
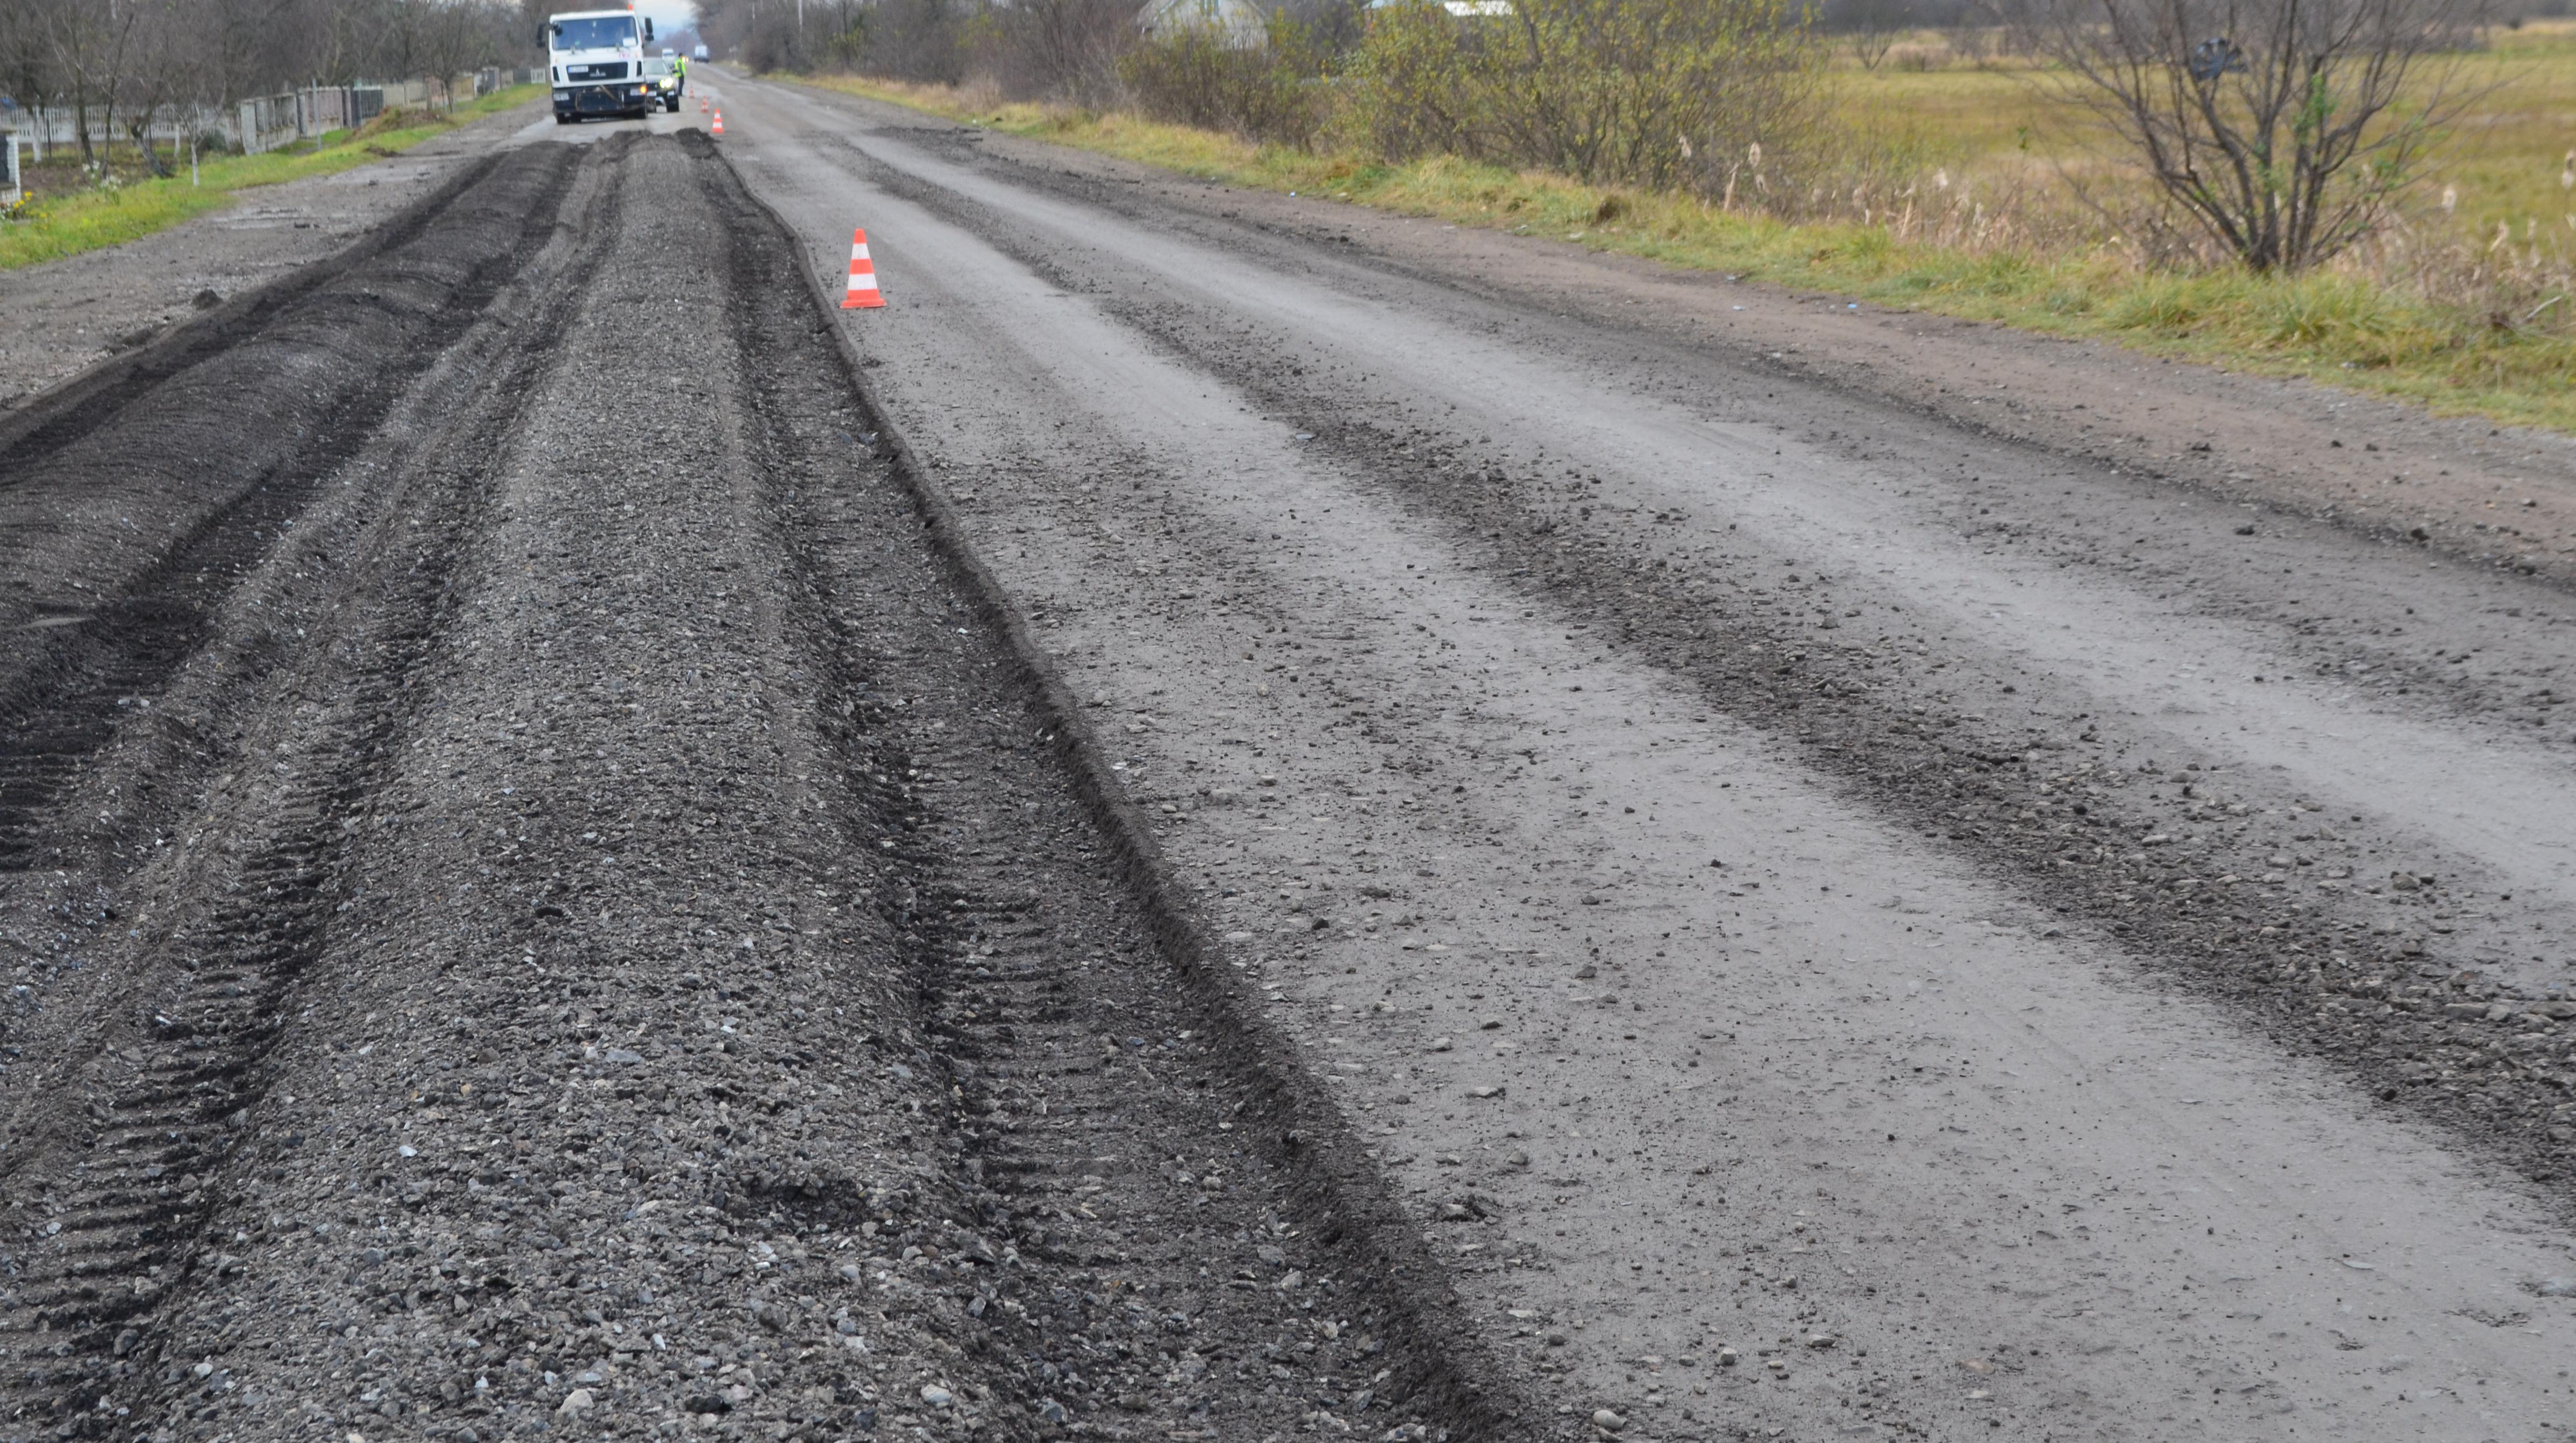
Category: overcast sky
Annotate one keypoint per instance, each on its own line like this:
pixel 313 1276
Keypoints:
pixel 667 15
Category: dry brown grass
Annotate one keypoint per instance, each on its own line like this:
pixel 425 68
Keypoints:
pixel 1973 188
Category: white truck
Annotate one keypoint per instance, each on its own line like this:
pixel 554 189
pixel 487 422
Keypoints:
pixel 597 60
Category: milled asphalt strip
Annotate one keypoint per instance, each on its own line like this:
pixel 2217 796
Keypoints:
pixel 180 1021
pixel 2205 1174
pixel 1443 1363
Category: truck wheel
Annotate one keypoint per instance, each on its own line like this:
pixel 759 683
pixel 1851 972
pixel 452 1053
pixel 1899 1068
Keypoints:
pixel 562 119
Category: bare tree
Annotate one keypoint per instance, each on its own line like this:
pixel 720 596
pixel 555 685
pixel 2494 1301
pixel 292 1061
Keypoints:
pixel 27 72
pixel 2282 127
pixel 158 65
pixel 400 44
pixel 87 42
pixel 765 34
pixel 451 42
pixel 1875 26
pixel 259 47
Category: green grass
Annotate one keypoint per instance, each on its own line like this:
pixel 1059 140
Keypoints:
pixel 2456 355
pixel 2512 151
pixel 87 220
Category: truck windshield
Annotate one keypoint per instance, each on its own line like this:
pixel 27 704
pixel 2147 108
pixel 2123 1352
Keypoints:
pixel 600 32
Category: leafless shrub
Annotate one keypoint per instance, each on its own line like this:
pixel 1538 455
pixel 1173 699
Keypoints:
pixel 1271 92
pixel 917 40
pixel 2284 128
pixel 1979 45
pixel 1644 92
pixel 1063 50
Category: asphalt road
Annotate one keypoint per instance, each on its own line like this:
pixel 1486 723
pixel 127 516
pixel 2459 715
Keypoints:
pixel 1999 937
pixel 1236 818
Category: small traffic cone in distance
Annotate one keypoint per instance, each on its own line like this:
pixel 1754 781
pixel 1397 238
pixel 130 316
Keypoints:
pixel 863 293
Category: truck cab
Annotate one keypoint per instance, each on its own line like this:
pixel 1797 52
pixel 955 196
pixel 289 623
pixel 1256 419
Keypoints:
pixel 596 60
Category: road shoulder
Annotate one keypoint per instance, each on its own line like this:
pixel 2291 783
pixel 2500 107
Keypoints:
pixel 59 319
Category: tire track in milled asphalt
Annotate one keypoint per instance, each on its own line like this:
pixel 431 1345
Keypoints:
pixel 111 1184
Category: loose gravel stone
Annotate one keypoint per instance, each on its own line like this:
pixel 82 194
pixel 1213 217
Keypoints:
pixel 607 938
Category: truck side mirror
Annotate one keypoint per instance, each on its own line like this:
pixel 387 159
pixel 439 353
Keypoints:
pixel 648 29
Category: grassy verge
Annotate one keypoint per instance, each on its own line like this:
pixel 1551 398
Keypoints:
pixel 2343 327
pixel 1990 121
pixel 87 220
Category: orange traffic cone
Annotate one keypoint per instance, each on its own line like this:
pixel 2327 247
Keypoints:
pixel 719 122
pixel 863 293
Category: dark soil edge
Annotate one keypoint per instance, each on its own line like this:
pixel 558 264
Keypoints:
pixel 1360 1222
pixel 72 406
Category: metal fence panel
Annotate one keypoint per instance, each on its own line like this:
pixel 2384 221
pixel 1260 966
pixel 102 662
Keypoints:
pixel 258 123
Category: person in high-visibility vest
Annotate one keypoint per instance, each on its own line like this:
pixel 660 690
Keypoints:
pixel 680 72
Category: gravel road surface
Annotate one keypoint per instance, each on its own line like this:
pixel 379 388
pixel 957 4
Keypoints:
pixel 1237 819
pixel 541 899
